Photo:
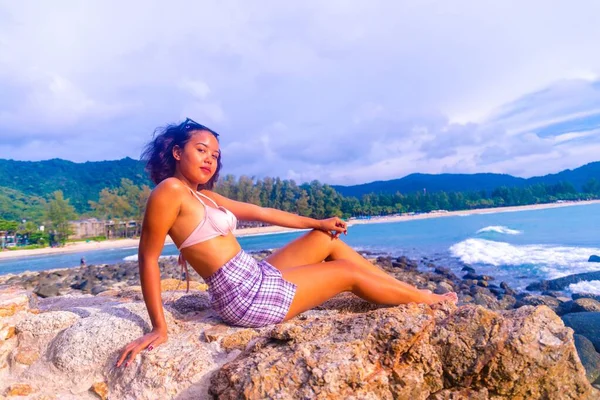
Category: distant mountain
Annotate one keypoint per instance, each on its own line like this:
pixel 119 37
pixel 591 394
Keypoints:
pixel 578 177
pixel 468 182
pixel 79 182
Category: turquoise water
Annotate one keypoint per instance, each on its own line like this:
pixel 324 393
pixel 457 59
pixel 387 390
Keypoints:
pixel 517 247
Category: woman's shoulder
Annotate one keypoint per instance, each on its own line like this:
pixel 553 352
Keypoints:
pixel 168 187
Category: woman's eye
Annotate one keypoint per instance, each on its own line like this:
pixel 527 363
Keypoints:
pixel 202 150
pixel 215 157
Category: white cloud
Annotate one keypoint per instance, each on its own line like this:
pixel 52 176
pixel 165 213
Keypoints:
pixel 341 91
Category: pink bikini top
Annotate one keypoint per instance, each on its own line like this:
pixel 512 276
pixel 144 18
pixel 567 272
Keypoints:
pixel 217 221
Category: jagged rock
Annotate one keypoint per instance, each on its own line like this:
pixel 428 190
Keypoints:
pixel 538 300
pixel 176 284
pixel 47 290
pixel 576 296
pixel 564 307
pixel 371 351
pixel 411 352
pixel 562 283
pixel 487 301
pixel 192 303
pixel 585 305
pixel 475 277
pixel 26 355
pixel 507 289
pixel 19 389
pixel 507 302
pixel 446 272
pixel 588 356
pixel 97 289
pixel 13 300
pixel 443 287
pixel 47 323
pixel 100 389
pixel 461 394
pixel 91 341
pixel 594 258
pixel 586 324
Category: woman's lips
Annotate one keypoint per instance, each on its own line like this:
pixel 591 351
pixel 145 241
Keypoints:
pixel 205 169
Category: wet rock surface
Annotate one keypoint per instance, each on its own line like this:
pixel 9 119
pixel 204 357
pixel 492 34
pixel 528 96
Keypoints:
pixel 564 282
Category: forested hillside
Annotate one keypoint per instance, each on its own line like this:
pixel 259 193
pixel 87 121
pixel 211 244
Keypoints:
pixel 473 182
pixel 118 189
pixel 80 182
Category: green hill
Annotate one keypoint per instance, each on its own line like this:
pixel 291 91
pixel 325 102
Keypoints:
pixel 16 206
pixel 79 182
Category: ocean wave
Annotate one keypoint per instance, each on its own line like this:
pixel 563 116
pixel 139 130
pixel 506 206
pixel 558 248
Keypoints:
pixel 591 287
pixel 500 229
pixel 134 257
pixel 553 261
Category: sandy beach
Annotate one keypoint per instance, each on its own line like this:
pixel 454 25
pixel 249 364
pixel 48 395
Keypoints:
pixel 83 246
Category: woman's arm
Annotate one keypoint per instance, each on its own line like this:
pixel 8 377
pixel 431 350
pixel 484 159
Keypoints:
pixel 252 212
pixel 161 212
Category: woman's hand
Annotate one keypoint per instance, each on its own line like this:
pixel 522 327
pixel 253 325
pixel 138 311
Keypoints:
pixel 148 341
pixel 334 226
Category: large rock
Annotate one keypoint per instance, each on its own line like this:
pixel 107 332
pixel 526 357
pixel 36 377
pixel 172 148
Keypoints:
pixel 586 324
pixel 346 348
pixel 89 343
pixel 589 357
pixel 562 283
pixel 594 258
pixel 47 323
pixel 585 305
pixel 539 300
pixel 13 300
pixel 592 296
pixel 411 352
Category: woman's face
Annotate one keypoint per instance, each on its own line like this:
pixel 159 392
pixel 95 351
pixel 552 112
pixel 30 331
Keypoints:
pixel 198 159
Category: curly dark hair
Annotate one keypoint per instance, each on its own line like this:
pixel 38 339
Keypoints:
pixel 158 154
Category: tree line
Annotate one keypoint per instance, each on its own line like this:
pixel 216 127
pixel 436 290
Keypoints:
pixel 125 203
pixel 319 200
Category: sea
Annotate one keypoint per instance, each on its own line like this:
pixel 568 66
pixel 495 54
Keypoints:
pixel 516 247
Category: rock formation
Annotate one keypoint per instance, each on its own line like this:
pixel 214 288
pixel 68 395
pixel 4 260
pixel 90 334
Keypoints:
pixel 66 347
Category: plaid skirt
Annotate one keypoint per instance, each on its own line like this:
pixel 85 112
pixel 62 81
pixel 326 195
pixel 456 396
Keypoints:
pixel 248 293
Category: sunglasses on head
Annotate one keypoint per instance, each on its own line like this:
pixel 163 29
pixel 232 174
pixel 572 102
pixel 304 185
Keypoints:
pixel 191 125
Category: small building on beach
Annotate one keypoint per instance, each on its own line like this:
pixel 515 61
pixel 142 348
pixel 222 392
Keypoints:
pixel 87 228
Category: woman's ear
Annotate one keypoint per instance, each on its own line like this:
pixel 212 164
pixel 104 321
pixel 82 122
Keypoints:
pixel 177 153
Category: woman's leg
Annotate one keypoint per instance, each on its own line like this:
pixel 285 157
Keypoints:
pixel 316 283
pixel 317 246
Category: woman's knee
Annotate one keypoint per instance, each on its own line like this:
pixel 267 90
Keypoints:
pixel 324 238
pixel 351 272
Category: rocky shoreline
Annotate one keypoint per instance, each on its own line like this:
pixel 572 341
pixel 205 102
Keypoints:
pixel 70 324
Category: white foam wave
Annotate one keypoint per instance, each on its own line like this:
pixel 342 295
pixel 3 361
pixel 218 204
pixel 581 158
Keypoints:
pixel 553 261
pixel 134 257
pixel 591 287
pixel 500 229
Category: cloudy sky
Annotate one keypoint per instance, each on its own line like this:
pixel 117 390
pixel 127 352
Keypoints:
pixel 341 91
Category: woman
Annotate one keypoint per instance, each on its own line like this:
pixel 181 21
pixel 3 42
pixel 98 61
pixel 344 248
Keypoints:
pixel 184 161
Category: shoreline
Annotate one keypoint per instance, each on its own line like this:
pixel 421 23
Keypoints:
pixel 83 246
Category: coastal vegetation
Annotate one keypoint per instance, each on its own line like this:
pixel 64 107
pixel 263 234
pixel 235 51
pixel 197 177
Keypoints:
pixel 122 190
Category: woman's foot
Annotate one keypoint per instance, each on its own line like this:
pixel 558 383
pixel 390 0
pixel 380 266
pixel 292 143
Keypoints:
pixel 432 298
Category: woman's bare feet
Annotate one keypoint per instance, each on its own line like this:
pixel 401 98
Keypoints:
pixel 432 298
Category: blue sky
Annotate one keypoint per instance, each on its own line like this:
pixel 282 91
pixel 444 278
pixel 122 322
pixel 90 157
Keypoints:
pixel 341 91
